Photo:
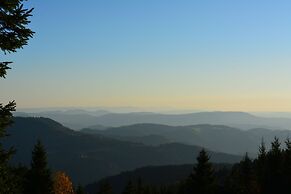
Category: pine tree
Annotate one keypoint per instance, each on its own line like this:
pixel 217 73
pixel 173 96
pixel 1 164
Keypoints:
pixel 39 176
pixel 262 151
pixel 202 177
pixel 242 179
pixel 6 176
pixel 14 34
pixel 247 178
pixel 287 166
pixel 261 167
pixel 276 147
pixel 274 168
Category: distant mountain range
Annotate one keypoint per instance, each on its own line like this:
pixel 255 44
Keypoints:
pixel 88 158
pixel 234 119
pixel 214 137
pixel 75 119
pixel 102 119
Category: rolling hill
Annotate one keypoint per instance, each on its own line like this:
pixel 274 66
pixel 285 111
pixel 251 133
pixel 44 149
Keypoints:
pixel 74 119
pixel 88 158
pixel 214 137
pixel 102 119
pixel 233 119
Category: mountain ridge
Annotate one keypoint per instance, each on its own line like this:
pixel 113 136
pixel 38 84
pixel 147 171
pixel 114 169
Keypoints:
pixel 214 137
pixel 241 120
pixel 87 158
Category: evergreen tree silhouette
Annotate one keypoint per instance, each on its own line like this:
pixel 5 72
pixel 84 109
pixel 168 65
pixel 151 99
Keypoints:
pixel 262 151
pixel 246 177
pixel 274 168
pixel 14 34
pixel 6 177
pixel 261 167
pixel 202 178
pixel 287 167
pixel 269 173
pixel 39 176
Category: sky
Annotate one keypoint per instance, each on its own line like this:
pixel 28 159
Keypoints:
pixel 187 54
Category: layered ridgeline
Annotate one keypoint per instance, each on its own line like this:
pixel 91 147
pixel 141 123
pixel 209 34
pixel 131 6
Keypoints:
pixel 78 119
pixel 214 137
pixel 87 158
pixel 75 119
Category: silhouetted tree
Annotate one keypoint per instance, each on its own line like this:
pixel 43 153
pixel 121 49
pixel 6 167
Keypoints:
pixel 39 176
pixel 261 167
pixel 244 177
pixel 6 177
pixel 262 151
pixel 274 168
pixel 287 166
pixel 269 173
pixel 202 180
pixel 14 34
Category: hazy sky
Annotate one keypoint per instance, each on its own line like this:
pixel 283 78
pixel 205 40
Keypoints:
pixel 196 54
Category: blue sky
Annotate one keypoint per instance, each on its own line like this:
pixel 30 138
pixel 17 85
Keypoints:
pixel 203 54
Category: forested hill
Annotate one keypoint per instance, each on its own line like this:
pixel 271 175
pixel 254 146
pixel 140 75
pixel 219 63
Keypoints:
pixel 88 158
pixel 214 137
pixel 152 175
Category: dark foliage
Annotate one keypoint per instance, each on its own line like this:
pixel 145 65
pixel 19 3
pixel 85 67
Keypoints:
pixel 156 175
pixel 14 34
pixel 268 173
pixel 39 180
pixel 201 180
pixel 7 183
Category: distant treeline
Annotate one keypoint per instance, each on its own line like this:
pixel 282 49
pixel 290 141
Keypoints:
pixel 268 173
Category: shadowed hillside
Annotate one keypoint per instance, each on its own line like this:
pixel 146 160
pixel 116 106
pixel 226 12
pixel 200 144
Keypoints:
pixel 214 137
pixel 151 175
pixel 88 158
